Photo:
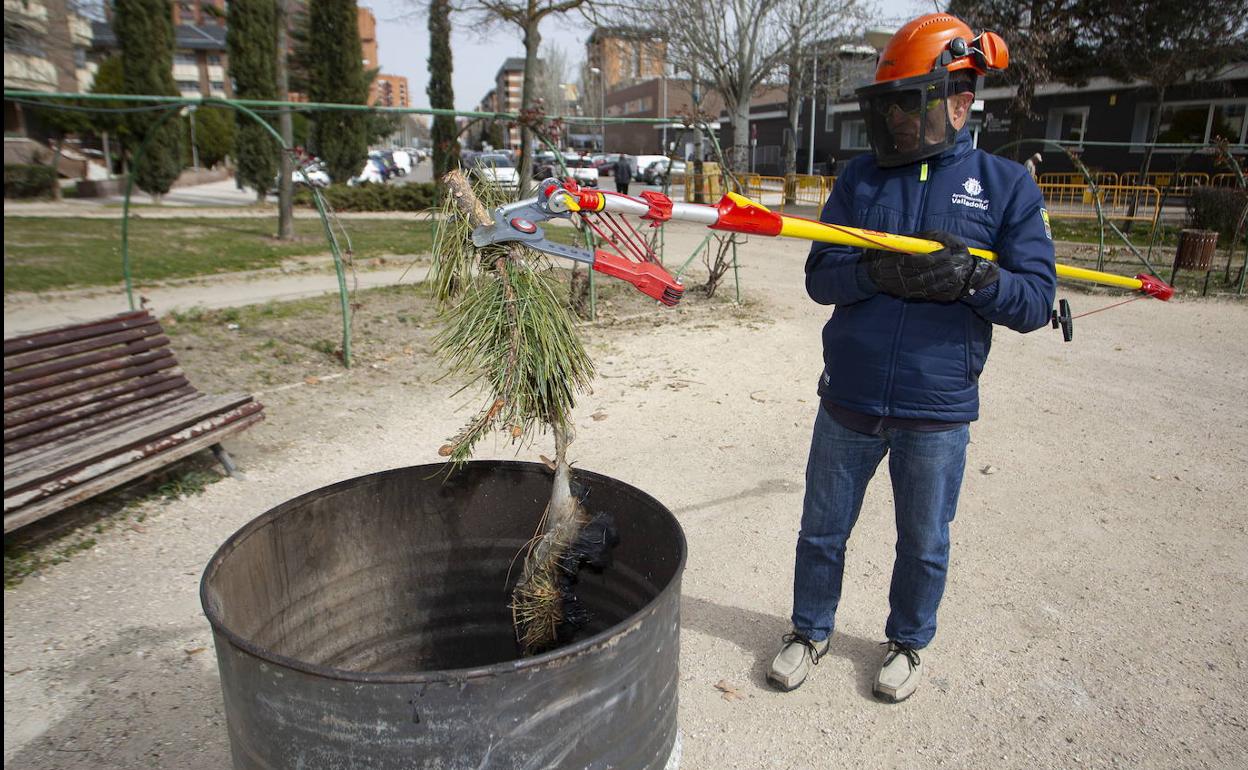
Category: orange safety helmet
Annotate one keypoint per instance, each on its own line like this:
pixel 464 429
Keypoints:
pixel 905 108
pixel 940 40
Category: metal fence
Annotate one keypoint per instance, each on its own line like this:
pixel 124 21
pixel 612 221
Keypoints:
pixel 1121 203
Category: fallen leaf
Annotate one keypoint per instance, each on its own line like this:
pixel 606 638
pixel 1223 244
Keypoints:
pixel 311 380
pixel 195 651
pixel 755 397
pixel 677 385
pixel 730 693
pixel 599 416
pixel 549 462
pixel 988 470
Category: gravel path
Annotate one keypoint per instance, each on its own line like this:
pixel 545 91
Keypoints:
pixel 1095 614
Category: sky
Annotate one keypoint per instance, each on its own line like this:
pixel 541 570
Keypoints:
pixel 403 45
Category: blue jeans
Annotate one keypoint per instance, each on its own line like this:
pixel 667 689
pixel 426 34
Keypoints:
pixel 926 470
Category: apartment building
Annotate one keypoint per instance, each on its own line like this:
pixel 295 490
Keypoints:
pixel 625 56
pixel 508 88
pixel 200 63
pixel 45 49
pixel 390 91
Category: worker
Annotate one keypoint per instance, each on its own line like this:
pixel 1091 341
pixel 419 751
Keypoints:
pixel 909 335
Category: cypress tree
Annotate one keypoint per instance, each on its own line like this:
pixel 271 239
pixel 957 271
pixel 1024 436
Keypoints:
pixel 144 31
pixel 251 41
pixel 336 75
pixel 444 136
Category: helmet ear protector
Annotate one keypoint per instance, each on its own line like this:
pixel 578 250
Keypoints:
pixel 986 51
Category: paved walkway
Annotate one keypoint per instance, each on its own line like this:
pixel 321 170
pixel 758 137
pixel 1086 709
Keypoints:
pixel 28 312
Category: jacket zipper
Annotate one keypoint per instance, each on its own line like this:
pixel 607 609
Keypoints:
pixel 901 319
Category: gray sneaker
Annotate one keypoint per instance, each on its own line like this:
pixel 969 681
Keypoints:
pixel 791 667
pixel 900 675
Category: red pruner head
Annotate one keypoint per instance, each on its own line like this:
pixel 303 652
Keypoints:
pixel 1155 287
pixel 649 277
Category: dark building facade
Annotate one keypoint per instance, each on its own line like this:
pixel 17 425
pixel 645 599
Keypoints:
pixel 1103 110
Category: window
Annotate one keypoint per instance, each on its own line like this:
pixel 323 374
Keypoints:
pixel 214 59
pixel 1067 124
pixel 217 85
pixel 1191 123
pixel 184 57
pixel 188 85
pixel 854 135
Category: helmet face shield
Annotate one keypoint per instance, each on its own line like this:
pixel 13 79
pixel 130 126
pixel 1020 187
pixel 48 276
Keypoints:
pixel 908 120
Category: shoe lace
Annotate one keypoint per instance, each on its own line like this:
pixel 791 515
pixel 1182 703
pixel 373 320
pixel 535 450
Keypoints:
pixel 802 639
pixel 898 648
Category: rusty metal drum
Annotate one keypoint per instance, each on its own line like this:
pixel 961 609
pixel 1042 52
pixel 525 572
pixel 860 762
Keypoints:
pixel 365 624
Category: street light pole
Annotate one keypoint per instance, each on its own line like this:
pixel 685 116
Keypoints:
pixel 814 101
pixel 194 150
pixel 602 107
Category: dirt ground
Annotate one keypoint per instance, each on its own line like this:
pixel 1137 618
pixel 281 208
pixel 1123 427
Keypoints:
pixel 1095 613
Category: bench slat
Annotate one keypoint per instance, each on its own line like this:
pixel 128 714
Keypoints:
pixel 49 415
pixel 54 367
pixel 60 335
pixel 87 378
pixel 14 363
pixel 53 503
pixel 99 424
pixel 143 435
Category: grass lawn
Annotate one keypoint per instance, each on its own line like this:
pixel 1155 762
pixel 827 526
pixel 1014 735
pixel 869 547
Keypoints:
pixel 45 253
pixel 58 253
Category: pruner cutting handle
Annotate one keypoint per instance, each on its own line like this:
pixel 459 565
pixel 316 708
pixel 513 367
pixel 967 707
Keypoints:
pixel 649 277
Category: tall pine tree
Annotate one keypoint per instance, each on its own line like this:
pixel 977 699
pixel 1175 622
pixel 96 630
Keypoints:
pixel 251 41
pixel 445 137
pixel 336 75
pixel 144 31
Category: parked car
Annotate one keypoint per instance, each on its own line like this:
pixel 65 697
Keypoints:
pixel 496 168
pixel 389 168
pixel 374 172
pixel 316 176
pixel 404 160
pixel 643 162
pixel 580 167
pixel 657 172
pixel 606 163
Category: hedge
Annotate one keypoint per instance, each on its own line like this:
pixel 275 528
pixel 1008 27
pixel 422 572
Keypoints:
pixel 29 181
pixel 376 197
pixel 1216 208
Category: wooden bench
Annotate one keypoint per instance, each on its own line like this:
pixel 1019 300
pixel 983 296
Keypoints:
pixel 91 406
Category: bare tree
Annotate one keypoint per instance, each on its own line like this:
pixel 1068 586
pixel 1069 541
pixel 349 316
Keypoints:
pixel 817 28
pixel 734 45
pixel 528 16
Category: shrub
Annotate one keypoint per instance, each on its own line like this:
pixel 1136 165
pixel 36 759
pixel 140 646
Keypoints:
pixel 376 197
pixel 1216 208
pixel 29 181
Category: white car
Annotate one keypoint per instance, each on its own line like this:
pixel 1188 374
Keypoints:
pixel 372 173
pixel 643 162
pixel 316 176
pixel 496 168
pixel 404 160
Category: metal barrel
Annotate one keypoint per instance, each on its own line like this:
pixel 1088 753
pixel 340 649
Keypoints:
pixel 366 624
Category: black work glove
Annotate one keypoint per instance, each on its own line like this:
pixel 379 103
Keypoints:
pixel 945 275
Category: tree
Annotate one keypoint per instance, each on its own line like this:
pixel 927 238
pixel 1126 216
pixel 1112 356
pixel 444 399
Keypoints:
pixel 144 31
pixel 109 80
pixel 1047 41
pixel 444 135
pixel 336 75
pixel 1166 42
pixel 528 16
pixel 214 135
pixel 735 45
pixel 251 41
pixel 816 27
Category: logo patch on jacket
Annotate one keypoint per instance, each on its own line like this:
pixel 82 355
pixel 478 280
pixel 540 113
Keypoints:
pixel 1044 215
pixel 971 198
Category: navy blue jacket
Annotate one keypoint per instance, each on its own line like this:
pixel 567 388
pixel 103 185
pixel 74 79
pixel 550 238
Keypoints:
pixel 916 359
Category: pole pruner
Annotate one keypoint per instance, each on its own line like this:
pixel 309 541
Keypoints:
pixel 634 261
